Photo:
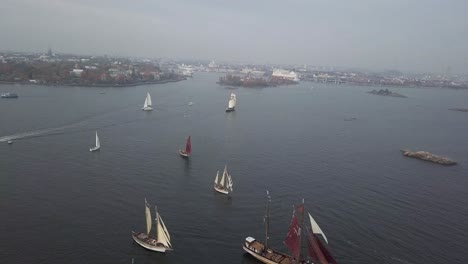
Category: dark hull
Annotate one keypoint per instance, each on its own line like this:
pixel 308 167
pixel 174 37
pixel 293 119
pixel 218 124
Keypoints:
pixel 229 109
pixel 10 96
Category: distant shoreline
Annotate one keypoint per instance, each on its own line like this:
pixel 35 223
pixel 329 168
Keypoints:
pixel 96 84
pixel 389 85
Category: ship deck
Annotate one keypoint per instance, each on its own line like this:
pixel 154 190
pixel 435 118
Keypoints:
pixel 221 189
pixel 270 254
pixel 147 239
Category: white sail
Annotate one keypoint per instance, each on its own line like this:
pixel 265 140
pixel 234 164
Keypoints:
pixel 148 100
pixel 222 182
pixel 229 184
pixel 165 229
pixel 163 235
pixel 216 179
pixel 148 218
pixel 98 143
pixel 316 228
pixel 232 101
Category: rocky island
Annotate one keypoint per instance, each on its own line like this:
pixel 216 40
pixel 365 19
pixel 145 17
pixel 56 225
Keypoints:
pixel 386 92
pixel 424 155
pixel 459 109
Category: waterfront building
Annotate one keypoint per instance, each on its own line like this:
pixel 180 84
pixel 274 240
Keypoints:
pixel 284 74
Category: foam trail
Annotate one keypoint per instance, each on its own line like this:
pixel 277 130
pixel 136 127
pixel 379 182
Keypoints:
pixel 60 130
pixel 36 133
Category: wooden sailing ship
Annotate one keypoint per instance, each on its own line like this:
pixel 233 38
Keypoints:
pixel 162 241
pixel 223 185
pixel 317 252
pixel 188 149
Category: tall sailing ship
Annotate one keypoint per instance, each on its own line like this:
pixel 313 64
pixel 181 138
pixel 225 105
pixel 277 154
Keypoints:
pixel 223 185
pixel 147 105
pixel 231 103
pixel 162 241
pixel 316 250
pixel 188 149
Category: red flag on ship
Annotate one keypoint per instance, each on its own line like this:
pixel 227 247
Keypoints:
pixel 292 240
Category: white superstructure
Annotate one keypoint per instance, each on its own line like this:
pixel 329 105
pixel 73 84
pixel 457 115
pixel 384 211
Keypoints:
pixel 232 101
pixel 285 74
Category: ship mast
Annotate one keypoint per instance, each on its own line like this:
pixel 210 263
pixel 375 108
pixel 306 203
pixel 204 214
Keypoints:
pixel 302 226
pixel 267 220
pixel 156 218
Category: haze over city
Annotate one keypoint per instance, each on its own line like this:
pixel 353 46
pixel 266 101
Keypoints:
pixel 264 131
pixel 426 35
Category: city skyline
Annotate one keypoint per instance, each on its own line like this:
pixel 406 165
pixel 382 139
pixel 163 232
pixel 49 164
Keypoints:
pixel 409 36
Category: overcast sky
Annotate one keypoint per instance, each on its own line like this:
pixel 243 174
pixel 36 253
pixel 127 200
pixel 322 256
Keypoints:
pixel 406 35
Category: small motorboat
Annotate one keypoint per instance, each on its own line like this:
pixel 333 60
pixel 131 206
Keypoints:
pixel 9 95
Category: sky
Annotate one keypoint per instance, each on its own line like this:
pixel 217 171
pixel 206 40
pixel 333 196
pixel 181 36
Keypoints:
pixel 404 35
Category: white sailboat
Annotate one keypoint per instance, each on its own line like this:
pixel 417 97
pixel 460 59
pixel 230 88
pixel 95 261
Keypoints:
pixel 224 185
pixel 232 103
pixel 162 242
pixel 98 144
pixel 147 106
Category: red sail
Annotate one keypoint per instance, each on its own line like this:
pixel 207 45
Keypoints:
pixel 310 248
pixel 317 251
pixel 326 253
pixel 188 146
pixel 293 237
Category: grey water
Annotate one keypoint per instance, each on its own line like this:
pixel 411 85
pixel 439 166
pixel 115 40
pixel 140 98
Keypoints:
pixel 59 203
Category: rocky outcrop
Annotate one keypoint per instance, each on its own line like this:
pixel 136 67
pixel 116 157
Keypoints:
pixel 424 155
pixel 459 109
pixel 386 92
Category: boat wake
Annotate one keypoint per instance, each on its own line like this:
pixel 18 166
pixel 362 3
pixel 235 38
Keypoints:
pixel 88 124
pixel 37 133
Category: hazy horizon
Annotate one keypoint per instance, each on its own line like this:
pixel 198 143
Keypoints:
pixel 409 36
